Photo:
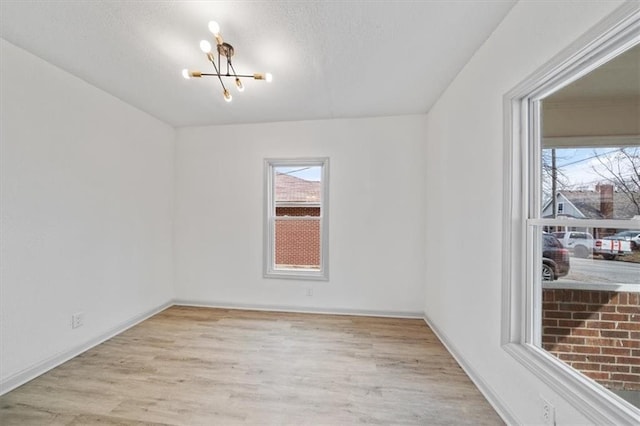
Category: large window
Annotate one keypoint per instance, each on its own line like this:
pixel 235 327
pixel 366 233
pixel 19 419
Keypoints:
pixel 571 296
pixel 296 218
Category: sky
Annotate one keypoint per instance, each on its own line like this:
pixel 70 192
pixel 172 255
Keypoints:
pixel 576 165
pixel 307 173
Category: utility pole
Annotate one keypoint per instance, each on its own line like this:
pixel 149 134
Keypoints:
pixel 554 179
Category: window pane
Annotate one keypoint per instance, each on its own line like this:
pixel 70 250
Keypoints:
pixel 297 244
pixel 591 314
pixel 298 190
pixel 591 183
pixel 576 258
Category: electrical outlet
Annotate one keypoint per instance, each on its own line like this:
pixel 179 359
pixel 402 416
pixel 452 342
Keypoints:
pixel 310 291
pixel 77 320
pixel 548 412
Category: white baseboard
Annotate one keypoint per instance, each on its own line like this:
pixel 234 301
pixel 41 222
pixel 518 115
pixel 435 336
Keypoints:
pixel 42 367
pixel 496 402
pixel 302 310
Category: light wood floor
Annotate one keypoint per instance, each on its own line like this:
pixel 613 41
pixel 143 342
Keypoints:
pixel 200 366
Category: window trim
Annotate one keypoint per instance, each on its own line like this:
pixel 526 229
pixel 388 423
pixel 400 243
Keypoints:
pixel 269 269
pixel 609 38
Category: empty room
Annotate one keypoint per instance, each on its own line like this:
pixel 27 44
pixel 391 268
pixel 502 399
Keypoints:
pixel 320 212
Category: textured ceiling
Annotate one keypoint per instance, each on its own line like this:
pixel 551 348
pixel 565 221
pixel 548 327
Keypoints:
pixel 328 58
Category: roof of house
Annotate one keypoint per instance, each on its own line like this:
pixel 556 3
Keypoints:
pixel 291 189
pixel 588 202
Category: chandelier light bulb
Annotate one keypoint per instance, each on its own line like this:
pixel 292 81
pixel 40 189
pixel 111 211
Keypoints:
pixel 214 27
pixel 185 74
pixel 268 77
pixel 239 85
pixel 205 46
pixel 227 95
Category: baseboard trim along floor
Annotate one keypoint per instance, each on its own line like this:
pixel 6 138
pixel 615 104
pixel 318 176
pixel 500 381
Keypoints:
pixel 492 397
pixel 42 367
pixel 302 310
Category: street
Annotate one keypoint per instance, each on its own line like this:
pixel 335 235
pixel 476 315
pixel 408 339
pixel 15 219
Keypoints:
pixel 602 271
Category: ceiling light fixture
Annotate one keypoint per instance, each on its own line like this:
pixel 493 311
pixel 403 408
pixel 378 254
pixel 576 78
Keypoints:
pixel 226 50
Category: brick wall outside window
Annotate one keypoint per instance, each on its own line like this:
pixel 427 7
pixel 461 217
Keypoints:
pixel 595 332
pixel 298 243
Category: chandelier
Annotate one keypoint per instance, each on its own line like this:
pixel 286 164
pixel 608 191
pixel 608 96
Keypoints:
pixel 224 50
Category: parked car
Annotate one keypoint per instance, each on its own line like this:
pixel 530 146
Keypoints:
pixel 555 258
pixel 578 243
pixel 632 236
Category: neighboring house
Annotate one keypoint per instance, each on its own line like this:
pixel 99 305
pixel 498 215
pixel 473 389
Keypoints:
pixel 602 203
pixel 292 191
pixel 297 241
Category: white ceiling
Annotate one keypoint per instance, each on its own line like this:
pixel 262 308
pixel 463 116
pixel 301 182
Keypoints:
pixel 328 58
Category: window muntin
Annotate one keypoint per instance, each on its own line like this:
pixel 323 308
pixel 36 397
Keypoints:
pixel 296 225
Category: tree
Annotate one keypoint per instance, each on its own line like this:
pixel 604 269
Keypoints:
pixel 621 168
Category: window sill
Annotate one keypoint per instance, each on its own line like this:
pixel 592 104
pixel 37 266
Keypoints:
pixel 631 288
pixel 590 398
pixel 292 274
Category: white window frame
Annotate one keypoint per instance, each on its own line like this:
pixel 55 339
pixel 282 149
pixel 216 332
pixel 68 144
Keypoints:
pixel 270 270
pixel 521 304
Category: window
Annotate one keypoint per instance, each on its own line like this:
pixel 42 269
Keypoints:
pixel 542 324
pixel 296 218
pixel 560 208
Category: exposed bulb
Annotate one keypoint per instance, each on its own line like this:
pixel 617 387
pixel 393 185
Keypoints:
pixel 214 27
pixel 185 74
pixel 268 77
pixel 205 46
pixel 227 95
pixel 239 85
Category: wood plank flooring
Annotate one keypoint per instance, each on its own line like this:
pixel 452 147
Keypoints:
pixel 201 366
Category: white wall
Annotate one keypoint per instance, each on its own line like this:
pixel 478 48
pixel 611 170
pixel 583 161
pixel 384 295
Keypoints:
pixel 465 187
pixel 86 202
pixel 376 214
